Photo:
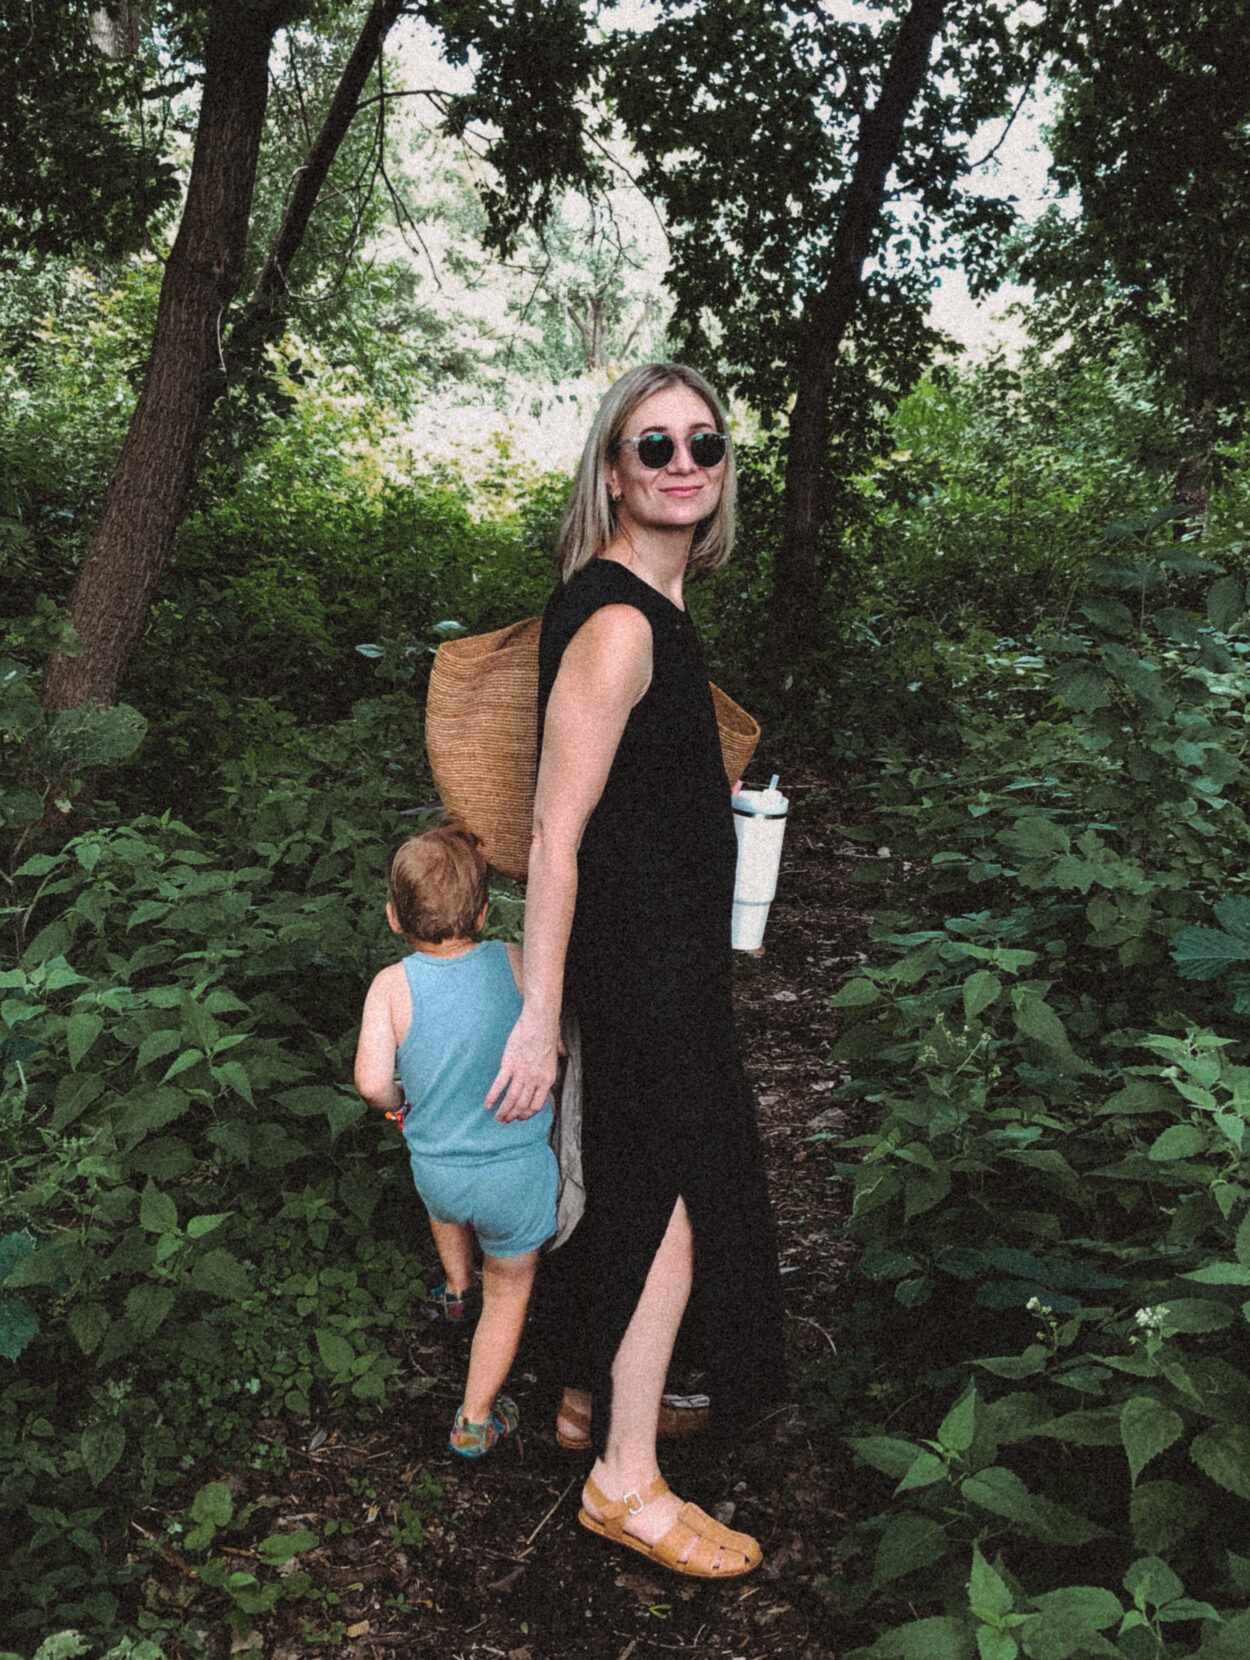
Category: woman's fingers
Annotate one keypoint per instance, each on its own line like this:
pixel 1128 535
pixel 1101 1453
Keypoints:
pixel 524 1079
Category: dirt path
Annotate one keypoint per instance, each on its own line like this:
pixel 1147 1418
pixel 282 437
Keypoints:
pixel 500 1567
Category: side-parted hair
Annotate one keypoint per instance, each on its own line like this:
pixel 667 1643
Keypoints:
pixel 437 883
pixel 590 518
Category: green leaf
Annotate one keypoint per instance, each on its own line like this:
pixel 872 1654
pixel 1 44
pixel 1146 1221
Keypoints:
pixel 1243 1239
pixel 234 1075
pixel 1226 604
pixel 18 1327
pixel 102 1447
pixel 14 1249
pixel 1002 1492
pixel 1223 1453
pixel 157 1211
pixel 1228 1641
pixel 1151 1582
pixel 147 1306
pixel 1082 686
pixel 1197 1314
pixel 81 1031
pixel 1233 916
pixel 859 993
pixel 1163 1512
pixel 281 1547
pixel 157 1045
pixel 924 1470
pixel 941 1637
pixel 1204 953
pixel 980 991
pixel 336 1352
pixel 1108 614
pixel 1147 1428
pixel 150 1109
pixel 221 1274
pixel 198 1226
pixel 1221 1273
pixel 1094 1607
pixel 309 1099
pixel 213 1503
pixel 909 1542
pixel 958 1428
pixel 1178 1141
pixel 893 1457
pixel 996 1645
pixel 183 1063
pixel 1037 1020
pixel 1036 837
pixel 88 1323
pixel 988 1593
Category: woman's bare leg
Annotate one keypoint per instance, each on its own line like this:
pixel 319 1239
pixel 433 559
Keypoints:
pixel 638 1374
pixel 506 1286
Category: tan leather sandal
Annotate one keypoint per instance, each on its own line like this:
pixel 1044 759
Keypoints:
pixel 679 1415
pixel 696 1545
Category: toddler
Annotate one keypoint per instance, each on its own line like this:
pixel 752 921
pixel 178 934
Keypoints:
pixel 443 1016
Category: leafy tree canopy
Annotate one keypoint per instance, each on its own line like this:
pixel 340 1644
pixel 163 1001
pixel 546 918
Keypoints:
pixel 82 159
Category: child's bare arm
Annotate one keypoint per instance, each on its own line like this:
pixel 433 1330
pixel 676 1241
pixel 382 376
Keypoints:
pixel 375 1052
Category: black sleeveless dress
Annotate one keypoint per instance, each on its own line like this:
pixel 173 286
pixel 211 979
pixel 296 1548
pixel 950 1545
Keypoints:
pixel 667 1107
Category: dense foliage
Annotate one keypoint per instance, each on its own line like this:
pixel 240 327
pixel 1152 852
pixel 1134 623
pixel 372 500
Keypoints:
pixel 1059 1181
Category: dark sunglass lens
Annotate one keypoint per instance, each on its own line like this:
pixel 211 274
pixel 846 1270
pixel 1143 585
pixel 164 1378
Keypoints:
pixel 655 450
pixel 707 449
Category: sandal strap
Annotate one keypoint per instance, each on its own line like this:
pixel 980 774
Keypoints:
pixel 710 1540
pixel 612 1512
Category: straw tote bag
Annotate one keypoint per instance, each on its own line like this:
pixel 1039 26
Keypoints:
pixel 481 734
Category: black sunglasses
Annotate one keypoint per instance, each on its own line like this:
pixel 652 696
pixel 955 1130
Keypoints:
pixel 657 449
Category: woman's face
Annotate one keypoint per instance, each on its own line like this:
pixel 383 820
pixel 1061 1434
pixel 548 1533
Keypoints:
pixel 679 494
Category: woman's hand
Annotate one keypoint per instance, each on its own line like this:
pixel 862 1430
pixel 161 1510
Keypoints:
pixel 527 1071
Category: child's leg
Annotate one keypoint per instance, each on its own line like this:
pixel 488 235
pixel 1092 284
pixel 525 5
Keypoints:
pixel 454 1243
pixel 506 1286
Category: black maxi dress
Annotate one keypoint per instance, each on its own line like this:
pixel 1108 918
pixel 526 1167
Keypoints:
pixel 667 1107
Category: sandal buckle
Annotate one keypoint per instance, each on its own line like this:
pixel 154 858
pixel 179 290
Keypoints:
pixel 632 1502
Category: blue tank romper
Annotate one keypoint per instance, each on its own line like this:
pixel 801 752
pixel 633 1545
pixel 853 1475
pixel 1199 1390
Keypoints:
pixel 499 1178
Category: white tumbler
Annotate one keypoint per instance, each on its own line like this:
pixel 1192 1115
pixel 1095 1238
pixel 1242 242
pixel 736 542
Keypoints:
pixel 760 821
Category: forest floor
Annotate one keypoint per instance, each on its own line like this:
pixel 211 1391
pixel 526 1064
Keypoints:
pixel 456 1560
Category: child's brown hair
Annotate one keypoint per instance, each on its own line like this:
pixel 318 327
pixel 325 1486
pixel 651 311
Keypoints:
pixel 437 883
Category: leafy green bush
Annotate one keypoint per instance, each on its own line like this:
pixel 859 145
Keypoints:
pixel 199 1221
pixel 1055 1206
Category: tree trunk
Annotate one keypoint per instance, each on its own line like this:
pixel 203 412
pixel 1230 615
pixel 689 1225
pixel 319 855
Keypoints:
pixel 1203 301
pixel 828 315
pixel 143 503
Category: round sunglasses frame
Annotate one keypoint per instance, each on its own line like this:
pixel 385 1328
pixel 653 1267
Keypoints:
pixel 660 441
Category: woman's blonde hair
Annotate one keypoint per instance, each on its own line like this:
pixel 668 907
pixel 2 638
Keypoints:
pixel 590 518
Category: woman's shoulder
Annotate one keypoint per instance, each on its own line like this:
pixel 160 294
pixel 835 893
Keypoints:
pixel 602 583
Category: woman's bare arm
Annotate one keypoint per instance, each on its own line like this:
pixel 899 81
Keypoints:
pixel 605 670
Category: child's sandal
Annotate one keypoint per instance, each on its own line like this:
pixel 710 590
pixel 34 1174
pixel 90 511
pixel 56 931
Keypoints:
pixel 448 1305
pixel 475 1440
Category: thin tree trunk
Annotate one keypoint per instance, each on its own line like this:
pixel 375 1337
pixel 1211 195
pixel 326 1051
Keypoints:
pixel 270 293
pixel 144 500
pixel 828 316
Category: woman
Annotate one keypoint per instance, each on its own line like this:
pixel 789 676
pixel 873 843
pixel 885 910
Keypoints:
pixel 628 915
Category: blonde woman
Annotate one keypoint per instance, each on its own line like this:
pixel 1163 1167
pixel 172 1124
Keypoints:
pixel 627 919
